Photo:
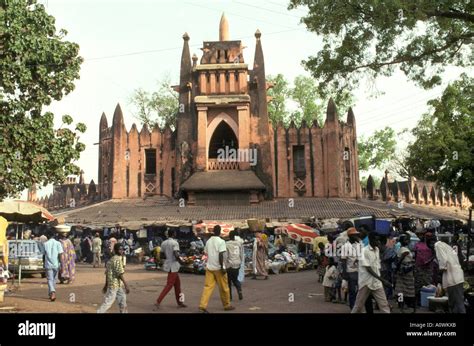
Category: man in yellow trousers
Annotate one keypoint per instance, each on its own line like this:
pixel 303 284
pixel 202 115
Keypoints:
pixel 215 272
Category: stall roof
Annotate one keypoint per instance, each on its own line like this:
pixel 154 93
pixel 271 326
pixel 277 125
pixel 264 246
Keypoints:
pixel 134 213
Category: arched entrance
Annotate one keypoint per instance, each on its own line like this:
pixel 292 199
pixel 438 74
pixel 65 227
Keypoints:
pixel 222 137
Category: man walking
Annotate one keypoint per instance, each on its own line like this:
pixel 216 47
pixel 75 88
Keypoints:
pixel 52 250
pixel 97 250
pixel 370 281
pixel 453 275
pixel 215 272
pixel 235 257
pixel 113 283
pixel 350 254
pixel 170 251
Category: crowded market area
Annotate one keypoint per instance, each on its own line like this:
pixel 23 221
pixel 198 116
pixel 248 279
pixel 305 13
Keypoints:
pixel 424 265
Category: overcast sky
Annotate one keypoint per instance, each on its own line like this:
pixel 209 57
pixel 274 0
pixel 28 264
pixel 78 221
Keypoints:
pixel 130 44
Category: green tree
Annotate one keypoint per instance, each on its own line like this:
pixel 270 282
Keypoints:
pixel 37 66
pixel 376 150
pixel 158 108
pixel 305 94
pixel 443 149
pixel 369 38
pixel 310 105
pixel 279 94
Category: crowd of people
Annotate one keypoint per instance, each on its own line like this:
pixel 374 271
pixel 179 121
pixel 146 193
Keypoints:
pixel 370 267
pixel 224 262
pixel 356 267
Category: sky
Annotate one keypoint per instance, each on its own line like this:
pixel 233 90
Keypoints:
pixel 131 44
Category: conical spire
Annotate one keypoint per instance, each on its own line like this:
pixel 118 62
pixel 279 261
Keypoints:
pixel 224 29
pixel 81 178
pixel 103 121
pixel 350 117
pixel 331 111
pixel 185 73
pixel 118 117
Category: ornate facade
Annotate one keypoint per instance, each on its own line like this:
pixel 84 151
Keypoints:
pixel 223 105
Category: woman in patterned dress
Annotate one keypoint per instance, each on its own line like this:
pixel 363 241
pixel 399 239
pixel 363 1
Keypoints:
pixel 67 272
pixel 260 255
pixel 405 284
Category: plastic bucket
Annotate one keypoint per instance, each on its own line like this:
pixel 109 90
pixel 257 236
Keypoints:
pixel 425 293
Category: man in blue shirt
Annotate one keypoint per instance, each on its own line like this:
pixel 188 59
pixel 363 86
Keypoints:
pixel 52 251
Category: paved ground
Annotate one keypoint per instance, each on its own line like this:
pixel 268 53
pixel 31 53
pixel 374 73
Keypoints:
pixel 84 295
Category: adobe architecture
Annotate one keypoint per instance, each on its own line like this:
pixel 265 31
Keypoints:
pixel 223 104
pixel 414 191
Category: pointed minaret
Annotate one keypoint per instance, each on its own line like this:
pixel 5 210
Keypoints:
pixel 119 141
pixel 370 187
pixel 103 125
pixel 354 150
pixel 331 113
pixel 186 66
pixel 224 29
pixel 81 178
pixel 259 109
pixel 185 124
pixel 350 117
pixel 117 121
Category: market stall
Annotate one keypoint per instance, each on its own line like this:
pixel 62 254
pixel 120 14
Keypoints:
pixel 295 252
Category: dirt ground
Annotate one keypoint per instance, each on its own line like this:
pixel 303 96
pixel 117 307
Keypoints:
pixel 284 293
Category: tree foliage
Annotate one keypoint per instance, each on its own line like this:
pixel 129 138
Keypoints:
pixel 158 108
pixel 37 66
pixel 376 150
pixel 369 38
pixel 443 149
pixel 310 105
pixel 279 93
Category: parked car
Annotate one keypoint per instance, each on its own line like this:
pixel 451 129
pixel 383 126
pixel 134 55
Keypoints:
pixel 28 254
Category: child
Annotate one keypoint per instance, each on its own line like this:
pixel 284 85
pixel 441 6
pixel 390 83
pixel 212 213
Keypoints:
pixel 330 280
pixel 322 262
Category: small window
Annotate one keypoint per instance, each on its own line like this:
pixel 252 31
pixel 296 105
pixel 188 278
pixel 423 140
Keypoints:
pixel 150 161
pixel 299 166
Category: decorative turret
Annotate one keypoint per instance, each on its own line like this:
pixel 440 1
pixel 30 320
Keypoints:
pixel 331 113
pixel 117 121
pixel 224 29
pixel 186 67
pixel 103 123
pixel 350 117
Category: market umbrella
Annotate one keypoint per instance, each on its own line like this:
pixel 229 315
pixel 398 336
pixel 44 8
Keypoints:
pixel 21 211
pixel 299 232
pixel 209 226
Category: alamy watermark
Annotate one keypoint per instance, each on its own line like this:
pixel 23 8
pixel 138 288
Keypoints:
pixel 228 154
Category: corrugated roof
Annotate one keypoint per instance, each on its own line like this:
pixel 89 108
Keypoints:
pixel 137 212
